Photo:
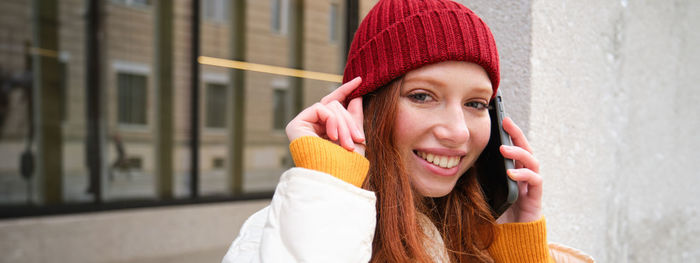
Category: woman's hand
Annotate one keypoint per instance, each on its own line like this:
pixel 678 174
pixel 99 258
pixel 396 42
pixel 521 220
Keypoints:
pixel 328 119
pixel 528 207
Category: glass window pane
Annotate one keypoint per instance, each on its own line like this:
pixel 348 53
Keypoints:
pixel 280 108
pixel 62 176
pixel 132 98
pixel 16 104
pixel 129 113
pixel 216 105
pixel 182 99
pixel 71 34
pixel 216 11
pixel 333 23
pixel 269 98
pixel 275 15
pixel 215 108
pixel 135 122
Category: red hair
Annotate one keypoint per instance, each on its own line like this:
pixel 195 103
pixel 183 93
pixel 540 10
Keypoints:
pixel 462 217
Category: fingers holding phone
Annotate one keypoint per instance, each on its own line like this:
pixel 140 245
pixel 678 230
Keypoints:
pixel 528 207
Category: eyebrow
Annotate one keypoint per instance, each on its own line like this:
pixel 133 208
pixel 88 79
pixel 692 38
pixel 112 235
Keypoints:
pixel 486 90
pixel 483 89
pixel 429 80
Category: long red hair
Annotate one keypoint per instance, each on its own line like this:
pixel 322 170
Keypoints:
pixel 462 217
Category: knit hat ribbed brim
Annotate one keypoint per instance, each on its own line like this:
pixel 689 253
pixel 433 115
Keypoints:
pixel 398 36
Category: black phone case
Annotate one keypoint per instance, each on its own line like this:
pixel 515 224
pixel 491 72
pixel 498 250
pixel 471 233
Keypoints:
pixel 500 191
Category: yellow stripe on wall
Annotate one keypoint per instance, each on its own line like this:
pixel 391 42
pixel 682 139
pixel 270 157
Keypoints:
pixel 227 63
pixel 43 52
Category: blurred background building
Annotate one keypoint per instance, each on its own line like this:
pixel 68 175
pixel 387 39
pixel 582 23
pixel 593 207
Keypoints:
pixel 115 104
pixel 128 112
pixel 148 131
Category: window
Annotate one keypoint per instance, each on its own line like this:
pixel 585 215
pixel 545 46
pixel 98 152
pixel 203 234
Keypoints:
pixel 131 98
pixel 280 98
pixel 215 10
pixel 333 23
pixel 279 11
pixel 216 105
pixel 133 2
pixel 217 163
pixel 186 152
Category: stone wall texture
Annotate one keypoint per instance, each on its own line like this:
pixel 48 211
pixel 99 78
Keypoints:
pixel 613 112
pixel 607 93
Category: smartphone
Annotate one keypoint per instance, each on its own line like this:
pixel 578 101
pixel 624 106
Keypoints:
pixel 499 190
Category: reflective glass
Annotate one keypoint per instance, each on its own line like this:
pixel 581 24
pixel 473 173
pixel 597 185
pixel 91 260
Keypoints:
pixel 104 114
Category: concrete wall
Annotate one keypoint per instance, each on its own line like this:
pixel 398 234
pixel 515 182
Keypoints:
pixel 511 23
pixel 613 119
pixel 606 92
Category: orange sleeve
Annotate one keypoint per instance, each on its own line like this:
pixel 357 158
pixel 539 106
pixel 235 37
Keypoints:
pixel 322 155
pixel 521 242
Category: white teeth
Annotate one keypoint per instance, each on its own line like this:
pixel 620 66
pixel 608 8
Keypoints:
pixel 442 161
pixel 430 157
pixel 453 162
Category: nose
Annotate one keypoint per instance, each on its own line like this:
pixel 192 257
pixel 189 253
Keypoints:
pixel 451 129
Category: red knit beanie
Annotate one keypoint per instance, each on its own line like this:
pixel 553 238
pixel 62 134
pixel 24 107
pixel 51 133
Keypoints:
pixel 398 36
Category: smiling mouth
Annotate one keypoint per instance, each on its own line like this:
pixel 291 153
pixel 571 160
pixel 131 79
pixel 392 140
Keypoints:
pixel 446 162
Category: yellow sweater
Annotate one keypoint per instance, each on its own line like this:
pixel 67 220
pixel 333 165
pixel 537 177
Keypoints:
pixel 514 242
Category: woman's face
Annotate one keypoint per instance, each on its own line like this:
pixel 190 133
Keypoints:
pixel 442 123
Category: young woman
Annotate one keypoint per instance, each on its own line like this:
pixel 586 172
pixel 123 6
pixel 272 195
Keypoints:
pixel 386 163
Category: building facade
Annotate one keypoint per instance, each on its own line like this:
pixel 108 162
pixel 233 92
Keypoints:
pixel 131 42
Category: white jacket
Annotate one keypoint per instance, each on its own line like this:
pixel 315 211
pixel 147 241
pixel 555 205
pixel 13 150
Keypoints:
pixel 313 217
